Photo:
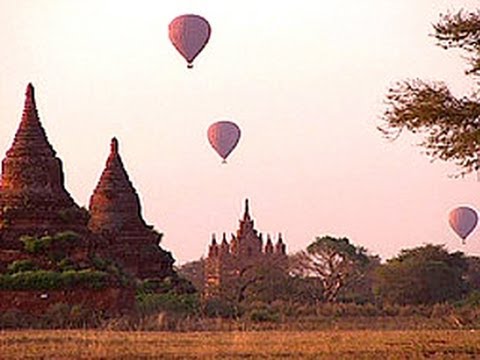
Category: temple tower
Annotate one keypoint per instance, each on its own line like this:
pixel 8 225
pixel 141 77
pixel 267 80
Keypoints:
pixel 115 213
pixel 227 263
pixel 33 199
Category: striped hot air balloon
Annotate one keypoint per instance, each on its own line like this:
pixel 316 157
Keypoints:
pixel 189 34
pixel 463 221
pixel 224 137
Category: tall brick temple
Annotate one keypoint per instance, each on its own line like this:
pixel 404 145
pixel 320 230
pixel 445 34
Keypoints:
pixel 227 261
pixel 115 214
pixel 33 199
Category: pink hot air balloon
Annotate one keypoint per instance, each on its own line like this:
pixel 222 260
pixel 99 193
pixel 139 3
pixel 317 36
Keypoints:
pixel 223 136
pixel 463 220
pixel 189 34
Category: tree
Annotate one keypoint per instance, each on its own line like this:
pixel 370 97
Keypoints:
pixel 194 272
pixel 423 275
pixel 266 281
pixel 450 125
pixel 473 274
pixel 336 263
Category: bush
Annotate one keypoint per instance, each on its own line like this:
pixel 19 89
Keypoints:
pixel 264 315
pixel 472 300
pixel 183 305
pixel 21 266
pixel 10 320
pixel 52 280
pixel 35 245
pixel 66 265
pixel 108 266
pixel 220 308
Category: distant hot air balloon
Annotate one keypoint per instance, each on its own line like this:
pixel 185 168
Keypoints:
pixel 223 136
pixel 189 34
pixel 463 220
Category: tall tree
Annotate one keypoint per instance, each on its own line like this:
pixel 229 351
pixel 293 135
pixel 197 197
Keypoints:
pixel 423 275
pixel 450 125
pixel 335 262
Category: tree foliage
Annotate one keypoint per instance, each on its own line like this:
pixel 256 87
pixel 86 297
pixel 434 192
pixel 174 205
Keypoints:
pixel 194 272
pixel 334 261
pixel 265 281
pixel 423 275
pixel 449 125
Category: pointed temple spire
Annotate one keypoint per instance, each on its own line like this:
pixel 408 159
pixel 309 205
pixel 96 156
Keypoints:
pixel 246 215
pixel 115 204
pixel 32 183
pixel 30 138
pixel 269 246
pixel 115 213
pixel 114 147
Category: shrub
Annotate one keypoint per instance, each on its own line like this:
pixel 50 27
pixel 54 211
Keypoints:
pixel 10 320
pixel 21 266
pixel 108 266
pixel 264 315
pixel 36 245
pixel 66 264
pixel 220 308
pixel 57 315
pixel 95 279
pixel 183 305
pixel 52 280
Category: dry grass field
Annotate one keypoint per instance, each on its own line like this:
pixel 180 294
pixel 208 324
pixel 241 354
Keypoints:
pixel 239 345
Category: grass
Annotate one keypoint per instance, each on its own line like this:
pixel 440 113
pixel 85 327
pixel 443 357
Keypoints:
pixel 70 344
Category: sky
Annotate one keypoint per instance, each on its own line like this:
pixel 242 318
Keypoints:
pixel 304 80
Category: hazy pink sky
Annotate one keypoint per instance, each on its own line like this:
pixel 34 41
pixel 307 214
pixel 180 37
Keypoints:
pixel 305 81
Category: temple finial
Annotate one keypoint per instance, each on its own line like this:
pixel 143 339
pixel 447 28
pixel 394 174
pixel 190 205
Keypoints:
pixel 30 108
pixel 246 215
pixel 30 92
pixel 114 146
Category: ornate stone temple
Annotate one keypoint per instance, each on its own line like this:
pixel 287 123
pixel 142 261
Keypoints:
pixel 115 214
pixel 227 261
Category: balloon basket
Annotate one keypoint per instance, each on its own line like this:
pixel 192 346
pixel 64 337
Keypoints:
pixel 190 66
pixel 224 161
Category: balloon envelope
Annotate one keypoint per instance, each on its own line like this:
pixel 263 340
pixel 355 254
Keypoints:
pixel 189 34
pixel 223 136
pixel 463 220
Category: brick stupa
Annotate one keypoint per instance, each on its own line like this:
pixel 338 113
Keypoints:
pixel 33 199
pixel 115 214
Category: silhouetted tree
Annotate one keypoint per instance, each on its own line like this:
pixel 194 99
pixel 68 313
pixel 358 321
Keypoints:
pixel 473 274
pixel 423 275
pixel 336 263
pixel 194 272
pixel 450 125
pixel 266 281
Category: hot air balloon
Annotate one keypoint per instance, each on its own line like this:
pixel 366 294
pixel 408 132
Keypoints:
pixel 463 220
pixel 189 34
pixel 223 136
